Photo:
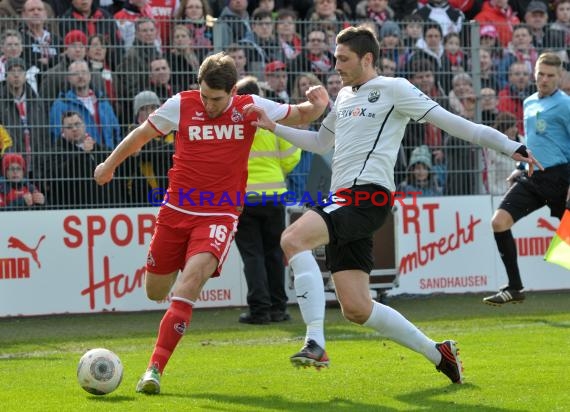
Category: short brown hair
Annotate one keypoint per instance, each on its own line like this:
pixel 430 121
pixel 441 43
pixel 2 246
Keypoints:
pixel 550 59
pixel 219 72
pixel 360 40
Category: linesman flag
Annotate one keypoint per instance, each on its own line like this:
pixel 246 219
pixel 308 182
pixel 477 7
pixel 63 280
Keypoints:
pixel 559 250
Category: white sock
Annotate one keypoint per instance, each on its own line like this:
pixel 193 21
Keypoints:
pixel 391 324
pixel 310 293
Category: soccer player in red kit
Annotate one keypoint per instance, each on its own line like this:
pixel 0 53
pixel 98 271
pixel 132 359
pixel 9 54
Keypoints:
pixel 198 218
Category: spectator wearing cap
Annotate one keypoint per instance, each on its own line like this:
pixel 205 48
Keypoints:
pixel 100 119
pixel 16 191
pixel 85 16
pixel 392 45
pixel 24 115
pixel 276 79
pixel 55 79
pixel 489 38
pixel 315 57
pixel 148 169
pixel 499 13
pixel 449 18
pixel 536 18
pixel 420 178
pixel 424 78
pixel 41 45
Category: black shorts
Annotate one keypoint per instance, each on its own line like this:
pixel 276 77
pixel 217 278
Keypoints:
pixel 351 224
pixel 543 188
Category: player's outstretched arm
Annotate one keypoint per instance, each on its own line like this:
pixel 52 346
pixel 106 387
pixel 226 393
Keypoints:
pixel 134 141
pixel 481 135
pixel 317 142
pixel 309 111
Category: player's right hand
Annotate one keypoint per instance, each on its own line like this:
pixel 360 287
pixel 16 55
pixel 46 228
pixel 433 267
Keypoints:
pixel 318 96
pixel 103 174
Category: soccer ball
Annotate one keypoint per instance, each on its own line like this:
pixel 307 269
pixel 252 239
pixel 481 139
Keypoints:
pixel 100 371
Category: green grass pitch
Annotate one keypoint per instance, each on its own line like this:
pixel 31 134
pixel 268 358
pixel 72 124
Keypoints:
pixel 516 358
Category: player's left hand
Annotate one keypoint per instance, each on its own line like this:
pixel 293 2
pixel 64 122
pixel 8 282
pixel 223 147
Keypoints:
pixel 263 120
pixel 529 158
pixel 318 96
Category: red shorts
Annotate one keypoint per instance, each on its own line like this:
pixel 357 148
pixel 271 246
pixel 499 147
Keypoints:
pixel 179 235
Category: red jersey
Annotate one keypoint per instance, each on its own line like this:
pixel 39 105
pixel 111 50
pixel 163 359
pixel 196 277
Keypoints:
pixel 209 172
pixel 163 12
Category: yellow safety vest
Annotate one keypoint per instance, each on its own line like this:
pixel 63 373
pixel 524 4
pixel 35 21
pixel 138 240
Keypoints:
pixel 5 140
pixel 270 160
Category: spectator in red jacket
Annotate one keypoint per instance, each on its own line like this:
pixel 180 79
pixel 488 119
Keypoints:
pixel 511 97
pixel 499 14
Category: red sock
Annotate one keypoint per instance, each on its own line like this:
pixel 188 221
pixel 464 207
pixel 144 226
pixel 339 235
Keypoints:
pixel 172 328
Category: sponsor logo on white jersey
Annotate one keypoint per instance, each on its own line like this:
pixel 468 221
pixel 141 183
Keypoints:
pixel 355 112
pixel 216 132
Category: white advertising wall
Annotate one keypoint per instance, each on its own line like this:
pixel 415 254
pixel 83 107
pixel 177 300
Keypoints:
pixel 85 261
pixel 446 245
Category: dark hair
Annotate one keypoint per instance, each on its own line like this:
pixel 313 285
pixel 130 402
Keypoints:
pixel 219 72
pixel 282 13
pixel 414 18
pixel 68 114
pixel 260 14
pixel 522 26
pixel 360 40
pixel 504 121
pixel 421 65
pixel 450 35
pixel 432 25
pixel 97 36
pixel 248 85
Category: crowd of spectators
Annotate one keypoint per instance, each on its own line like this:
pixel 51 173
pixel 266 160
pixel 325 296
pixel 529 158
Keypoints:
pixel 76 75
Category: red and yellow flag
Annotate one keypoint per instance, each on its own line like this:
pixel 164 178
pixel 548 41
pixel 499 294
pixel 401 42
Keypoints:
pixel 559 250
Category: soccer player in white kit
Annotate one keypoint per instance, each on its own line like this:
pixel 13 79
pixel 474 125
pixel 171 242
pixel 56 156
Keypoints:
pixel 366 126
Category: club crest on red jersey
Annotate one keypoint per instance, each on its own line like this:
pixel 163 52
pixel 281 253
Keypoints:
pixel 236 116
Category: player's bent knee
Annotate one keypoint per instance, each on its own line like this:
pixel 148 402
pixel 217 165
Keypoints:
pixel 355 313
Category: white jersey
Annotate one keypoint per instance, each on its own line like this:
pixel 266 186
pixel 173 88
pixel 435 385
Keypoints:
pixel 369 123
